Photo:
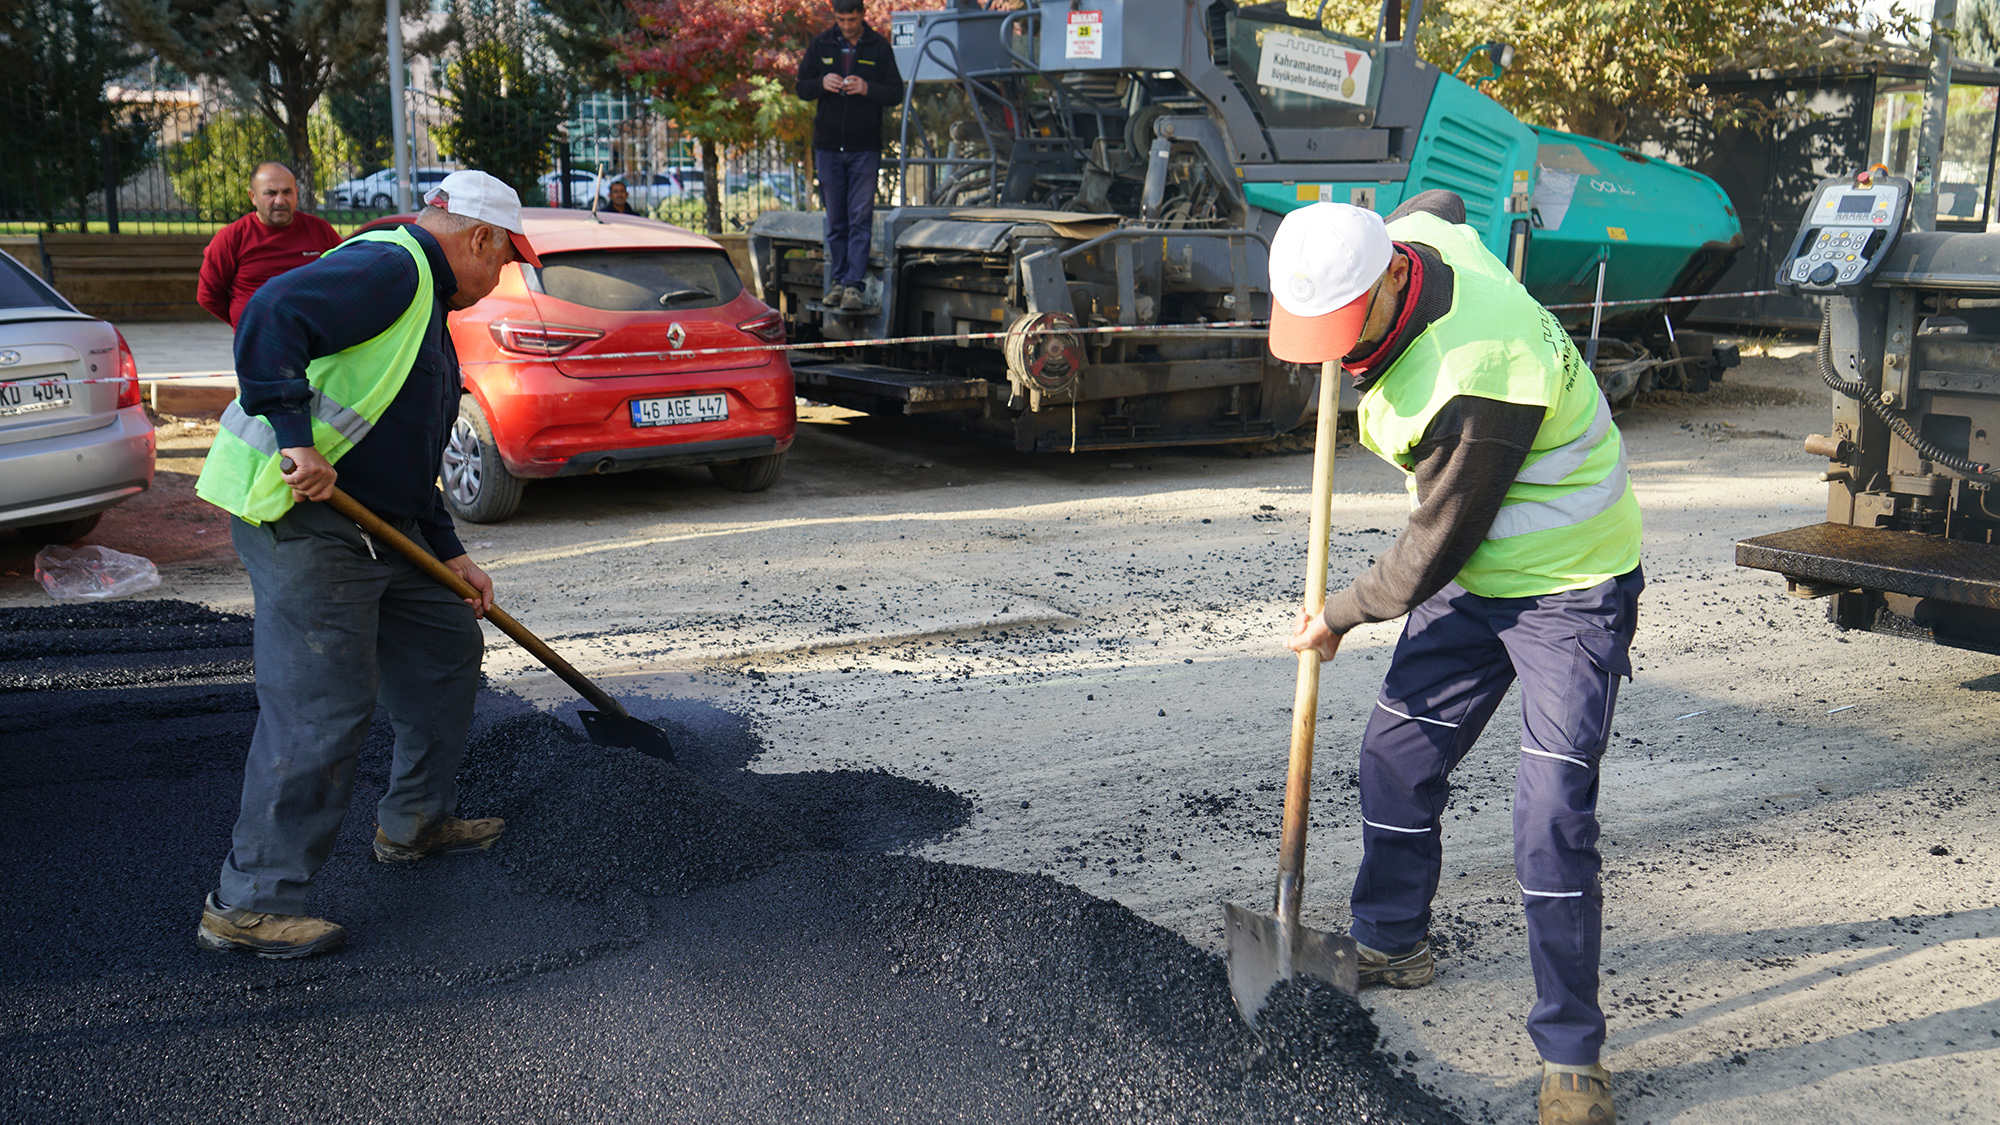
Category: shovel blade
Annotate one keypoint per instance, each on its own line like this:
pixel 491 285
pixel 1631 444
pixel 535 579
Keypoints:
pixel 1264 950
pixel 606 729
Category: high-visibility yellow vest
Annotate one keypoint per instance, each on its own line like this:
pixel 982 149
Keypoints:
pixel 1569 520
pixel 351 391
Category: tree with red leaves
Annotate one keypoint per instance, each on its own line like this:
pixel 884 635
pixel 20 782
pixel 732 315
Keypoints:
pixel 717 63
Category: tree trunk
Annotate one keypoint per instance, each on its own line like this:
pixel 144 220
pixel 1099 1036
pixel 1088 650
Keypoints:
pixel 1602 120
pixel 711 178
pixel 298 141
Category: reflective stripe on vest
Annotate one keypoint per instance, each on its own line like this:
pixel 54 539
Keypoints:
pixel 1558 463
pixel 1564 511
pixel 255 431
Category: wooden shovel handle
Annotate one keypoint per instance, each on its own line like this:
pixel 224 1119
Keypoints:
pixel 1305 695
pixel 447 577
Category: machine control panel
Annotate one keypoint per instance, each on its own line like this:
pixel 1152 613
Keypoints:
pixel 1847 233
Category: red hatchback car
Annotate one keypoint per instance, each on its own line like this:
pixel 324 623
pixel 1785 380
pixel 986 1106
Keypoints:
pixel 579 366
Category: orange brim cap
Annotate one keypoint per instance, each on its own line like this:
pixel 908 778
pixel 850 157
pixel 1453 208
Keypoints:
pixel 1317 339
pixel 524 251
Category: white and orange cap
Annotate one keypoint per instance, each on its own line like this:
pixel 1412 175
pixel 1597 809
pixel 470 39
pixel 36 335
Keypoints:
pixel 1324 259
pixel 477 195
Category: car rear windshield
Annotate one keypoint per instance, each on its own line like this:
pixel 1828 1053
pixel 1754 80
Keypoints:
pixel 20 289
pixel 641 280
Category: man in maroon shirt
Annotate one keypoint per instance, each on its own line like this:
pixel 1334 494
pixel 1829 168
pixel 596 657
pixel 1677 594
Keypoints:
pixel 261 245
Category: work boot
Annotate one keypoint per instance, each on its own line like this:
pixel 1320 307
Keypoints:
pixel 853 299
pixel 450 836
pixel 277 936
pixel 1403 970
pixel 1576 1095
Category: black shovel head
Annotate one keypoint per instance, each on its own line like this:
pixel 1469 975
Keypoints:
pixel 1264 950
pixel 607 729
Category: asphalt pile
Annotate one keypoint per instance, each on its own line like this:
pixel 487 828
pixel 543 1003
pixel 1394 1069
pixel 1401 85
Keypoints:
pixel 690 941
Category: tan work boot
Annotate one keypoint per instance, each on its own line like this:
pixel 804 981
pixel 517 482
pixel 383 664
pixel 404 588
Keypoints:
pixel 450 836
pixel 277 936
pixel 1404 970
pixel 1576 1095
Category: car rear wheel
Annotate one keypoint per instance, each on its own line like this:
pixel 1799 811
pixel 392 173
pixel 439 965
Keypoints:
pixel 63 531
pixel 752 474
pixel 477 486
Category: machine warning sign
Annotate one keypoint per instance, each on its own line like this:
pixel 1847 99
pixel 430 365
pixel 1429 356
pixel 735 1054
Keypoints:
pixel 1086 36
pixel 1314 67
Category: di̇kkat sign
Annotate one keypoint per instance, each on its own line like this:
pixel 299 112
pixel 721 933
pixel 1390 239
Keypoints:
pixel 1313 67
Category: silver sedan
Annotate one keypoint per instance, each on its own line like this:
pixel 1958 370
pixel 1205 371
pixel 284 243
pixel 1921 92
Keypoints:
pixel 74 438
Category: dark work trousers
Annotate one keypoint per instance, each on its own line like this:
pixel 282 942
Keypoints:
pixel 847 191
pixel 1457 655
pixel 343 623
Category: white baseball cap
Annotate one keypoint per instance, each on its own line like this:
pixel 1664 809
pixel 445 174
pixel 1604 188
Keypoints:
pixel 477 195
pixel 1324 259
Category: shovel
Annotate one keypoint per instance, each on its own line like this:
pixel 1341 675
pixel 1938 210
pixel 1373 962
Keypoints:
pixel 1266 949
pixel 609 725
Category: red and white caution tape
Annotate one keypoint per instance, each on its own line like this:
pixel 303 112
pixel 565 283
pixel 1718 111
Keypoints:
pixel 1154 330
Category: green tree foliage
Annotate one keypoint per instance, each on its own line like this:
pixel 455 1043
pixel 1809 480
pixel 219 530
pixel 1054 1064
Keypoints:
pixel 504 115
pixel 277 56
pixel 358 101
pixel 56 124
pixel 1585 65
pixel 584 35
pixel 210 169
pixel 1979 31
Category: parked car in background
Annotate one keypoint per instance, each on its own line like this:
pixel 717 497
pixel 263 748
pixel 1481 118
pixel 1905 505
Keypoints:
pixel 585 365
pixel 74 438
pixel 377 190
pixel 583 183
pixel 644 189
pixel 784 184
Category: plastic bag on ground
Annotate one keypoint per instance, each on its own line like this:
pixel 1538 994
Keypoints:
pixel 93 572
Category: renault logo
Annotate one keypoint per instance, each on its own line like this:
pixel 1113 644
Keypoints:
pixel 10 357
pixel 676 335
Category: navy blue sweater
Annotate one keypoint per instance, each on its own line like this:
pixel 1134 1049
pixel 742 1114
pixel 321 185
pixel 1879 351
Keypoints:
pixel 329 305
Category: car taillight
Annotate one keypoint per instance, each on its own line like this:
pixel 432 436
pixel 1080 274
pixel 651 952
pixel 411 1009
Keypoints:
pixel 128 373
pixel 533 337
pixel 769 327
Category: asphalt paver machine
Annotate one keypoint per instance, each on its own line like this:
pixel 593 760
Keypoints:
pixel 1082 195
pixel 1910 346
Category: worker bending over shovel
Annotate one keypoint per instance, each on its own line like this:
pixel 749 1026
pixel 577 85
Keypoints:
pixel 347 361
pixel 1520 560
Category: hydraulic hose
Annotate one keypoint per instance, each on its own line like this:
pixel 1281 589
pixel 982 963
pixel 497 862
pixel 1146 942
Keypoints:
pixel 1859 392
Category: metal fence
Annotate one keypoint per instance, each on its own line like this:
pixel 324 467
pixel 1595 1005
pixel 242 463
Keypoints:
pixel 177 158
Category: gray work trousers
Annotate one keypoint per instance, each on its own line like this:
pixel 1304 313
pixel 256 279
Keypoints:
pixel 342 624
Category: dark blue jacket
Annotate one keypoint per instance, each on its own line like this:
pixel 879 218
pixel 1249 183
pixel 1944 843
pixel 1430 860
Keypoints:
pixel 329 305
pixel 847 122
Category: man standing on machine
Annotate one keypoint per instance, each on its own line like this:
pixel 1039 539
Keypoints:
pixel 1520 561
pixel 850 70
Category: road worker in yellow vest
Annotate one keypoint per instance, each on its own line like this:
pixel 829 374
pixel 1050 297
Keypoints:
pixel 1520 562
pixel 346 371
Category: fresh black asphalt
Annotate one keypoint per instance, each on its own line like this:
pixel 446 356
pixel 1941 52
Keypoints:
pixel 694 942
